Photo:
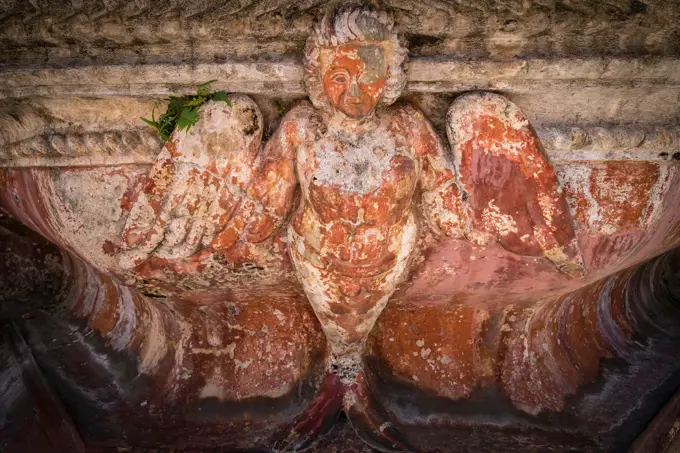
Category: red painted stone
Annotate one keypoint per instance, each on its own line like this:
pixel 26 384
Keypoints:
pixel 239 295
pixel 513 194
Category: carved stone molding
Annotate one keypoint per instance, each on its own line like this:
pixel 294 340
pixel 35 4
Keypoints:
pixel 95 148
pixel 115 147
pixel 611 143
pixel 111 32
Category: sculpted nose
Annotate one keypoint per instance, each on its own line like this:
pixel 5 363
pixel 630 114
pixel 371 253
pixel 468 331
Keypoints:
pixel 354 90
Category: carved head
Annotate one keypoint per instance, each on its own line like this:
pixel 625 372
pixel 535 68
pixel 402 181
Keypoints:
pixel 354 61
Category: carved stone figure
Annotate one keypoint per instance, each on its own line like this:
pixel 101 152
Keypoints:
pixel 371 176
pixel 402 252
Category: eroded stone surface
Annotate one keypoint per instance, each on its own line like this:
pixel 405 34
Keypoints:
pixel 579 358
pixel 192 365
pixel 179 304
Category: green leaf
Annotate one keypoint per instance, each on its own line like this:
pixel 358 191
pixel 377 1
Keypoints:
pixel 181 113
pixel 150 122
pixel 190 114
pixel 220 96
pixel 187 119
pixel 197 101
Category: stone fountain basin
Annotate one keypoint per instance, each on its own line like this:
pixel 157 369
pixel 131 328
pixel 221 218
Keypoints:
pixel 434 346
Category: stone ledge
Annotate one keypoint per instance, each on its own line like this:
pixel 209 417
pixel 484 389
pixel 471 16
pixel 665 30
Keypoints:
pixel 285 77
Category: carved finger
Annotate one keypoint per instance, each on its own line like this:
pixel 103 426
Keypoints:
pixel 188 225
pixel 147 207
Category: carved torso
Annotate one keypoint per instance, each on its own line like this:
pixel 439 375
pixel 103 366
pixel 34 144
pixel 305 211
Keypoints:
pixel 357 191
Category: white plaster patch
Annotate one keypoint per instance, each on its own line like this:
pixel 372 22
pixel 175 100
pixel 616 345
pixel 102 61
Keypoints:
pixel 503 223
pixel 359 167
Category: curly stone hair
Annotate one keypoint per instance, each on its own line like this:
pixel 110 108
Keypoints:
pixel 354 23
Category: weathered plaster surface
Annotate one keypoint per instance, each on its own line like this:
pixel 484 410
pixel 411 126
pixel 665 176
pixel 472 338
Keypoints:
pixel 491 292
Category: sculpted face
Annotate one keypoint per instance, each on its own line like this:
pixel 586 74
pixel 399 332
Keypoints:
pixel 354 78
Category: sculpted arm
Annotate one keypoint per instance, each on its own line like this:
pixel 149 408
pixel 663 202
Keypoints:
pixel 441 197
pixel 270 194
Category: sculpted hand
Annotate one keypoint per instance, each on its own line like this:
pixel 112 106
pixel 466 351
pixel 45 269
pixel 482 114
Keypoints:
pixel 195 185
pixel 514 198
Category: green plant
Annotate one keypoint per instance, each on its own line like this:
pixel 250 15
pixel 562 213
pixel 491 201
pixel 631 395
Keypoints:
pixel 182 112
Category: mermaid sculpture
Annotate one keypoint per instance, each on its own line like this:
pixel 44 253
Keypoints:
pixel 370 177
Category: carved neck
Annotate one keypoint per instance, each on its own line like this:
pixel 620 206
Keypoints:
pixel 336 120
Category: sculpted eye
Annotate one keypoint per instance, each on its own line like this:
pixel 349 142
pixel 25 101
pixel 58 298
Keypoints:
pixel 339 78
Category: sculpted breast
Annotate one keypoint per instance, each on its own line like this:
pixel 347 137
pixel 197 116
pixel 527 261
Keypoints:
pixel 359 182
